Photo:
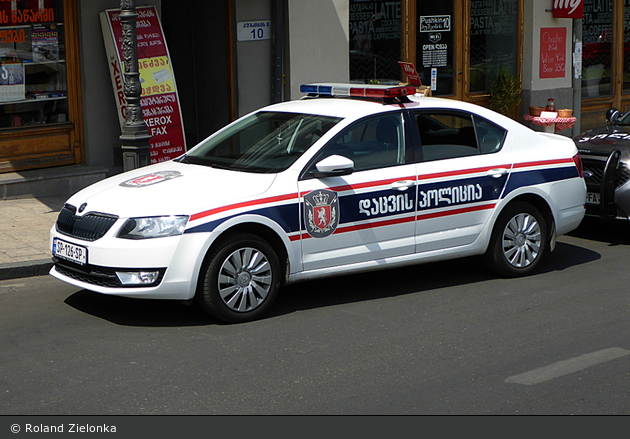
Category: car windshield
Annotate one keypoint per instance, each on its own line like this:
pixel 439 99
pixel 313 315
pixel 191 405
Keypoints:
pixel 264 142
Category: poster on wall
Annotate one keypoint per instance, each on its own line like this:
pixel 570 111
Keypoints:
pixel 159 100
pixel 12 86
pixel 45 40
pixel 553 52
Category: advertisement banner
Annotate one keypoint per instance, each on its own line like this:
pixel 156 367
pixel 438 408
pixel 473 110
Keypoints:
pixel 159 99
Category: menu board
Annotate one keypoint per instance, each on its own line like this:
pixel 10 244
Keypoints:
pixel 159 99
pixel 553 52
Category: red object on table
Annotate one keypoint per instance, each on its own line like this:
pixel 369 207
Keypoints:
pixel 561 123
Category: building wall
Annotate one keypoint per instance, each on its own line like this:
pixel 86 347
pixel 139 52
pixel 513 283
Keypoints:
pixel 537 90
pixel 318 46
pixel 253 59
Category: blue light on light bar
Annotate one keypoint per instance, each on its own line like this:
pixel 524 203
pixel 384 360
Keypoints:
pixel 358 90
pixel 316 89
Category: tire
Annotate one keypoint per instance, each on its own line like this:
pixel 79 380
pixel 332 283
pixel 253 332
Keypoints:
pixel 519 241
pixel 240 279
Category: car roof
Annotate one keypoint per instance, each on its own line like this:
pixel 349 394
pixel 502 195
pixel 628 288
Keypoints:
pixel 356 108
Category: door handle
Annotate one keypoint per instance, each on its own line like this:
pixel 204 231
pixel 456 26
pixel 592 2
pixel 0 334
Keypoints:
pixel 497 172
pixel 403 185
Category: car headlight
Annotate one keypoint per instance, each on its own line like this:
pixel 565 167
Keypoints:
pixel 153 227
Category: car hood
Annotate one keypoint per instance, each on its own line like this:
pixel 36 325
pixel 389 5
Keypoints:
pixel 605 139
pixel 169 188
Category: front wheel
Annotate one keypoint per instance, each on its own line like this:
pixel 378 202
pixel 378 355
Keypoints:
pixel 240 279
pixel 518 242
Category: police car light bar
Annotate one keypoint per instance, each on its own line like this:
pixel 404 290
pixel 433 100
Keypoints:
pixel 358 90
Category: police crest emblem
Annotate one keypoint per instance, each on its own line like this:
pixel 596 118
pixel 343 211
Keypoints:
pixel 322 213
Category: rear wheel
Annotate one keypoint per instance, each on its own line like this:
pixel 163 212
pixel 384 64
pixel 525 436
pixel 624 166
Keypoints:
pixel 240 279
pixel 519 240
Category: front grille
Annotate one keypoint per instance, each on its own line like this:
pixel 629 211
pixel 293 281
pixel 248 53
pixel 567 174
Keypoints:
pixel 89 227
pixel 99 276
pixel 596 169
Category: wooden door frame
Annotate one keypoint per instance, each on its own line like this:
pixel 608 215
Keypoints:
pixel 594 109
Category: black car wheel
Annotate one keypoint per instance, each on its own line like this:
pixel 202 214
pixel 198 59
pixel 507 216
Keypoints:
pixel 518 242
pixel 240 279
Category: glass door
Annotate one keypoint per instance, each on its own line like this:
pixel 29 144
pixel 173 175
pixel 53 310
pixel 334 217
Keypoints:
pixel 437 25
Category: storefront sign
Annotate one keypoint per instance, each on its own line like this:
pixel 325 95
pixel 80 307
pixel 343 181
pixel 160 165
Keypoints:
pixel 553 59
pixel 159 100
pixel 568 8
pixel 435 23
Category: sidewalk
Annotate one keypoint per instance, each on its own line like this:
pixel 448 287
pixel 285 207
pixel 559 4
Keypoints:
pixel 24 228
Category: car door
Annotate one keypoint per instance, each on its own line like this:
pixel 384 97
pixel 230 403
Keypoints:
pixel 368 214
pixel 463 166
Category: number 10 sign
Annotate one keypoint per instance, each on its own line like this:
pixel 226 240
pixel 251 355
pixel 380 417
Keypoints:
pixel 253 30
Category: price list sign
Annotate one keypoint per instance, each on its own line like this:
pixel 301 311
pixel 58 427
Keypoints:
pixel 553 52
pixel 159 99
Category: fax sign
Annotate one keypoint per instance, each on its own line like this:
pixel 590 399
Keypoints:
pixel 253 30
pixel 435 23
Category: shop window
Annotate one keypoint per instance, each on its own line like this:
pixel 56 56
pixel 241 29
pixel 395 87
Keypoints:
pixel 33 79
pixel 494 45
pixel 597 40
pixel 375 44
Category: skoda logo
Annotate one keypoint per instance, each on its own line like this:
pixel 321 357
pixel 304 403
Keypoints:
pixel 82 207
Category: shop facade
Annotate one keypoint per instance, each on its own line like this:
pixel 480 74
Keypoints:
pixel 62 110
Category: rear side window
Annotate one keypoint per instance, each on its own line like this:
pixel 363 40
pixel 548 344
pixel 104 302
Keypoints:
pixel 489 135
pixel 446 135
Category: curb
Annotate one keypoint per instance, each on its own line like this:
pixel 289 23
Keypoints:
pixel 19 270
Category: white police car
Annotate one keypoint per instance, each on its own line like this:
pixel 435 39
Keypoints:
pixel 323 186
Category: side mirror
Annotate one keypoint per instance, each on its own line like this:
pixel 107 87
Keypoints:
pixel 333 166
pixel 613 115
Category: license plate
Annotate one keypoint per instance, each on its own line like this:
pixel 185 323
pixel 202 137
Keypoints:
pixel 592 198
pixel 72 252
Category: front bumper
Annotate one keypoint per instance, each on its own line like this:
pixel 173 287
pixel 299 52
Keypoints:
pixel 177 259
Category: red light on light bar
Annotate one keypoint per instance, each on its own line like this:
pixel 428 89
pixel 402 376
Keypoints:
pixel 382 92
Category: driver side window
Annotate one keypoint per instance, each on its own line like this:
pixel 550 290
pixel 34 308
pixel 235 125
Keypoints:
pixel 377 142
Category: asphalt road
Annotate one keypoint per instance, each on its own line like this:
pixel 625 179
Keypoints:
pixel 442 338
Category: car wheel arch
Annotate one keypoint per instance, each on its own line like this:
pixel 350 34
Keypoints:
pixel 262 231
pixel 540 203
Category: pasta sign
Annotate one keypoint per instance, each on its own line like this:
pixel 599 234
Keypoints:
pixel 568 8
